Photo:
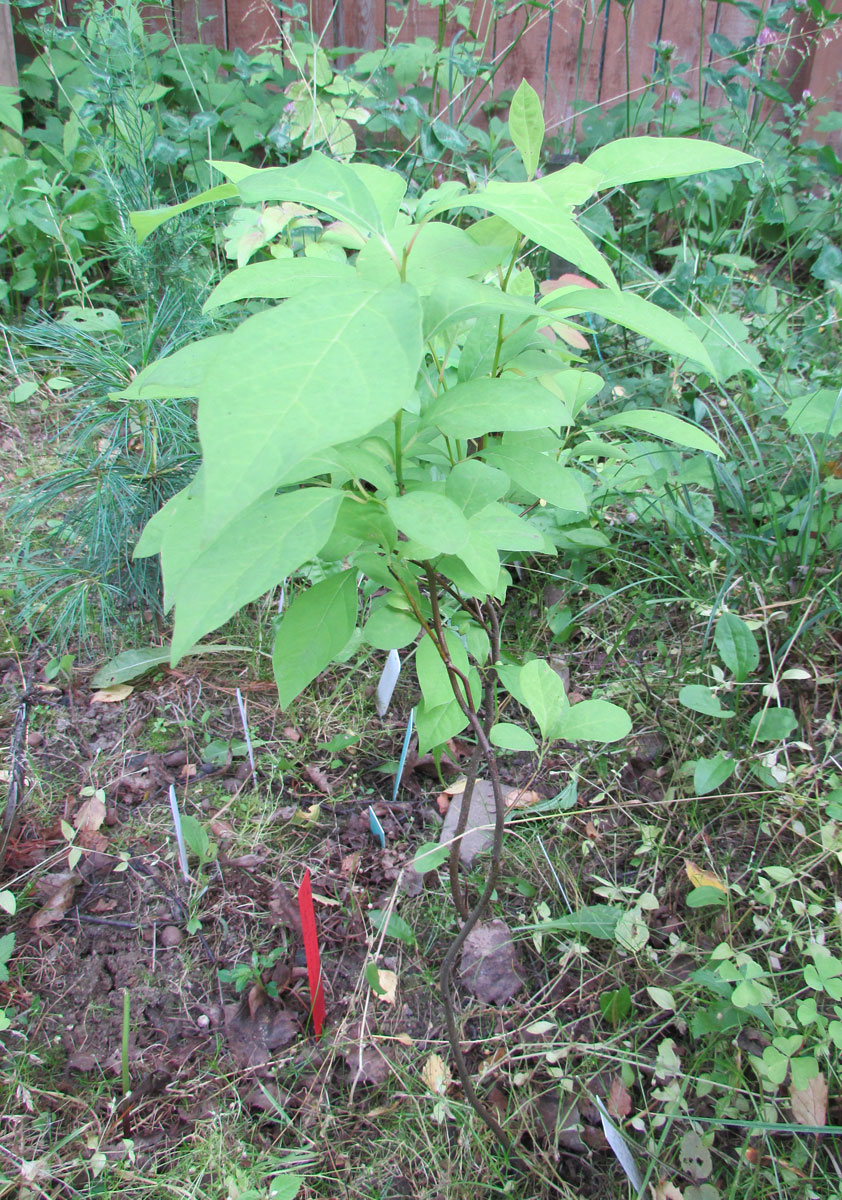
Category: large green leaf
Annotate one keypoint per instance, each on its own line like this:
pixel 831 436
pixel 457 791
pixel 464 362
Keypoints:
pixel 436 725
pixel 179 374
pixel 592 721
pixel 472 485
pixel 542 211
pixel 540 476
pixel 505 530
pixel 818 412
pixel 526 126
pixel 434 251
pixel 276 280
pixel 632 311
pixel 132 664
pixel 663 425
pixel 149 219
pixel 454 301
pixel 631 160
pixel 431 519
pixel 387 189
pixel 324 183
pixel 320 369
pixel 317 626
pixel 472 409
pixel 262 545
pixel 544 695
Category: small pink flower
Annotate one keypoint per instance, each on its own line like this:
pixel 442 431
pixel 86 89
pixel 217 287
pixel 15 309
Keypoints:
pixel 675 96
pixel 767 37
pixel 807 96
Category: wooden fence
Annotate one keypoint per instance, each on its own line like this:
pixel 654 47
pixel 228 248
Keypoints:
pixel 574 52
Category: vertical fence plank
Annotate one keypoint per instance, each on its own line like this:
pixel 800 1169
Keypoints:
pixel 8 62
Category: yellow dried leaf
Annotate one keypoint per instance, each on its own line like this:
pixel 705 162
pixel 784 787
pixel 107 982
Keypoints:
pixel 388 981
pixel 701 878
pixel 665 1191
pixel 307 816
pixel 455 789
pixel 436 1075
pixel 517 798
pixel 115 694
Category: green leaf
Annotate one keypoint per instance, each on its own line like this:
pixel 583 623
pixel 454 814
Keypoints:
pixel 701 699
pixel 539 475
pixel 395 926
pixel 543 693
pixel 390 628
pixel 180 374
pixel 542 211
pixel 470 410
pixel 505 530
pixel 276 280
pixel 149 219
pixel 773 725
pixel 132 664
pixel 526 126
pixel 436 725
pixel 472 485
pixel 663 425
pixel 433 678
pixel 286 1186
pixel 317 626
pixel 430 857
pixel 9 113
pixel 261 546
pixel 737 646
pixel 387 189
pixel 511 737
pixel 430 518
pixel 23 391
pixel 320 369
pixel 596 920
pixel 324 183
pixel 710 773
pixel 706 897
pixel 592 721
pixel 635 313
pixel 818 413
pixel 632 160
pixel 372 976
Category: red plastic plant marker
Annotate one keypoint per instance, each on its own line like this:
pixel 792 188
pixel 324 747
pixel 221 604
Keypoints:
pixel 311 951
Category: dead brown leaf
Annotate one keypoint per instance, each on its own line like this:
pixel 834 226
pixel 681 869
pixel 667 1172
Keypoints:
pixel 221 828
pixel 435 1074
pixel 619 1102
pixel 701 878
pixel 809 1104
pixel 517 798
pixel 252 1039
pixel 318 778
pixel 368 1064
pixel 490 966
pixel 57 891
pixel 350 863
pixel 284 908
pixel 291 733
pixel 89 815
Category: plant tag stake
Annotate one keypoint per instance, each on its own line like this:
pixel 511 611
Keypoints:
pixel 404 751
pixel 376 828
pixel 179 835
pixel 311 951
pixel 242 709
pixel 386 686
pixel 619 1145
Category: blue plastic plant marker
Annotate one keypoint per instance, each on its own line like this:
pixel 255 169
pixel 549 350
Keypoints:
pixel 376 828
pixel 386 685
pixel 405 749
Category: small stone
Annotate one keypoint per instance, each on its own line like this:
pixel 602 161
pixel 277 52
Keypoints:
pixel 34 738
pixel 171 935
pixel 203 1021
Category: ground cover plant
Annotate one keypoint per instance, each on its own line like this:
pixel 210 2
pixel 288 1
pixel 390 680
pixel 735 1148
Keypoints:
pixel 650 1003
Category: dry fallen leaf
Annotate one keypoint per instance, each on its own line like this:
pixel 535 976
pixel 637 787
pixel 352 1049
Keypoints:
pixel 489 966
pixel 350 863
pixel 809 1104
pixel 665 1191
pixel 284 908
pixel 516 798
pixel 619 1103
pixel 318 778
pixel 307 816
pixel 57 891
pixel 291 733
pixel 115 694
pixel 89 815
pixel 388 981
pixel 220 828
pixel 436 1075
pixel 701 878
